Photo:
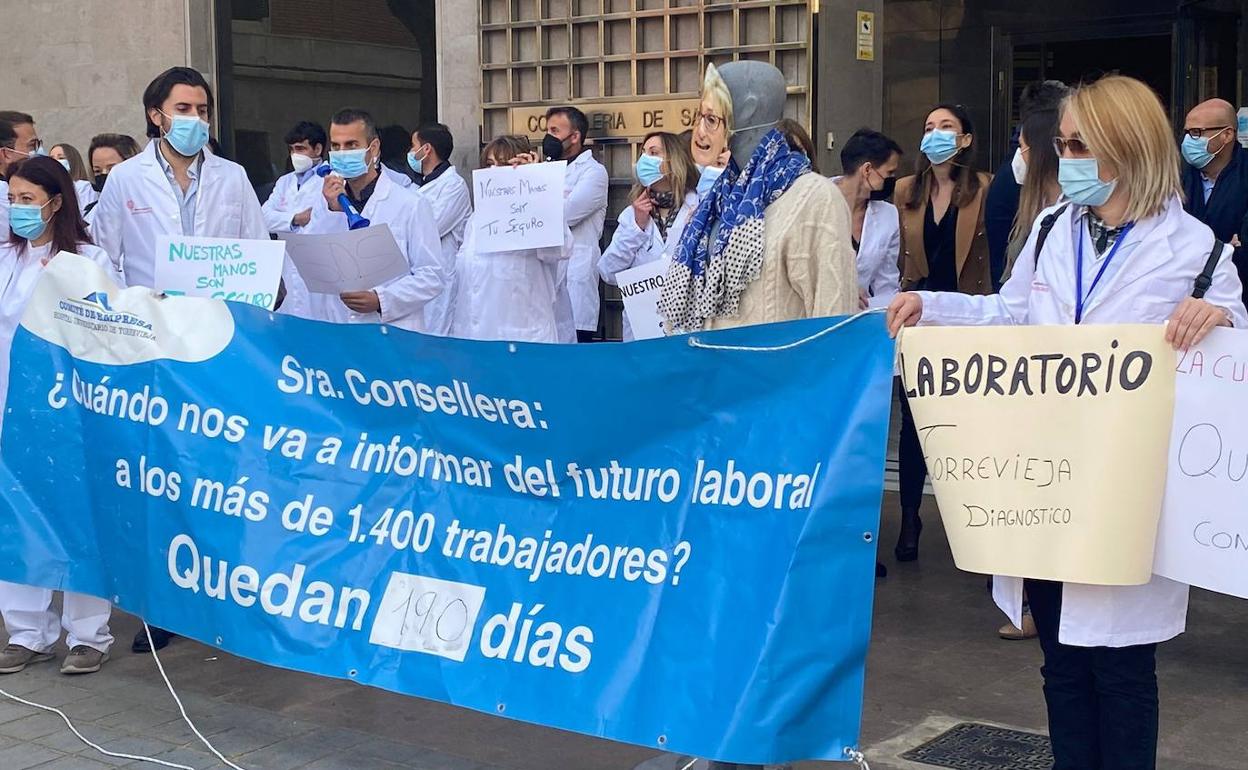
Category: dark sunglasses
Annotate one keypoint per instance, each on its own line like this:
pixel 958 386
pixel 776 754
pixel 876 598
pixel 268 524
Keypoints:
pixel 1074 144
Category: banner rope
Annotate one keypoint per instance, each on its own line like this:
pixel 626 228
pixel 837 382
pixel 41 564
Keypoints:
pixel 858 758
pixel 694 342
pixel 84 739
pixel 181 708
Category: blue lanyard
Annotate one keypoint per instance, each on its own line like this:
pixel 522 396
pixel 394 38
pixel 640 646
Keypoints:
pixel 1080 299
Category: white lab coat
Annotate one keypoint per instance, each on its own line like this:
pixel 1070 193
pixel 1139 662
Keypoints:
pixel 289 198
pixel 86 195
pixel 452 205
pixel 403 299
pixel 138 205
pixel 1153 271
pixel 20 268
pixel 585 214
pixel 879 252
pixel 508 295
pixel 631 246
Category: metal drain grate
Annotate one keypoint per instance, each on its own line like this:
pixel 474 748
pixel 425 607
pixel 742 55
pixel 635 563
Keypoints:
pixel 972 746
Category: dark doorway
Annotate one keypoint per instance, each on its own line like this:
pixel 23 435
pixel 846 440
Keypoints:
pixel 1145 57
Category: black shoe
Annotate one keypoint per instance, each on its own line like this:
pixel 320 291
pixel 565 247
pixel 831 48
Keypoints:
pixel 160 640
pixel 880 570
pixel 907 548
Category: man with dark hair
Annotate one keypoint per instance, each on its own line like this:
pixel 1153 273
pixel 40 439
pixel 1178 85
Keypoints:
pixel 289 207
pixel 438 182
pixel 25 142
pixel 1001 205
pixel 585 213
pixel 355 157
pixel 173 187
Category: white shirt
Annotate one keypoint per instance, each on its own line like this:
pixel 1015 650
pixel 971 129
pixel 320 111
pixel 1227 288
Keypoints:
pixel 138 205
pixel 402 299
pixel 20 268
pixel 631 246
pixel 585 214
pixel 293 193
pixel 452 205
pixel 1156 267
pixel 879 252
pixel 1207 184
pixel 86 195
pixel 507 295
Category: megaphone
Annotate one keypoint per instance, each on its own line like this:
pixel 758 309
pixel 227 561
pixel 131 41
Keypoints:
pixel 354 220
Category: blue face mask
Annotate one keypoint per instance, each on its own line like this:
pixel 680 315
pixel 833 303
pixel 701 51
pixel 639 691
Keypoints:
pixel 187 134
pixel 1196 151
pixel 649 169
pixel 939 145
pixel 710 175
pixel 39 152
pixel 1081 181
pixel 349 164
pixel 64 164
pixel 26 220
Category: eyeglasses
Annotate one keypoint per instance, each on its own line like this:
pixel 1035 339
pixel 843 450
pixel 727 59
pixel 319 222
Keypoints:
pixel 711 121
pixel 1199 133
pixel 1074 144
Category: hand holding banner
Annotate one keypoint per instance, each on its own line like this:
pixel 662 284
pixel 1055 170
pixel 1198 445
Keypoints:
pixel 1040 441
pixel 519 208
pixel 234 270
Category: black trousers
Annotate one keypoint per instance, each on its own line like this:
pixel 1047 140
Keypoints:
pixel 911 469
pixel 1102 701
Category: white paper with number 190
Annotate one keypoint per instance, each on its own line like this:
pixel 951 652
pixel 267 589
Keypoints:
pixel 1203 535
pixel 518 208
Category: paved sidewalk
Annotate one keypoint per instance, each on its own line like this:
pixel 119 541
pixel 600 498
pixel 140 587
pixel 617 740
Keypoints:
pixel 935 660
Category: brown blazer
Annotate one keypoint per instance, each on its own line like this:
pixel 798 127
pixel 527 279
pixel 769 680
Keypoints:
pixel 971 241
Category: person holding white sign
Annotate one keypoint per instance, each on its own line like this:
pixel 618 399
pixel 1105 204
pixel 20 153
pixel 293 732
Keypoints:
pixel 438 182
pixel 46 221
pixel 507 295
pixel 1122 250
pixel 663 199
pixel 355 157
pixel 297 194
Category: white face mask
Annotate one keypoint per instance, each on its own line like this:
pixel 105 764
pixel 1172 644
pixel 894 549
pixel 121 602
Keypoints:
pixel 1019 166
pixel 301 162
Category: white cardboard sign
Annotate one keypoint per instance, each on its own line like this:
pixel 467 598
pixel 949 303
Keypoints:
pixel 353 260
pixel 640 288
pixel 235 270
pixel 518 208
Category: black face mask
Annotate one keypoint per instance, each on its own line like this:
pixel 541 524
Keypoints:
pixel 98 183
pixel 885 192
pixel 552 147
pixel 664 200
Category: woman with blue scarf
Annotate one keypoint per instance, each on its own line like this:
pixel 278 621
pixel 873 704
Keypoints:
pixel 770 240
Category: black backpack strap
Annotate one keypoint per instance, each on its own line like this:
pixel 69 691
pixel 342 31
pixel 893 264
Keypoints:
pixel 1046 225
pixel 1205 279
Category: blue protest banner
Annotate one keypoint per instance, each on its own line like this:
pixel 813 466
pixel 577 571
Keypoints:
pixel 664 543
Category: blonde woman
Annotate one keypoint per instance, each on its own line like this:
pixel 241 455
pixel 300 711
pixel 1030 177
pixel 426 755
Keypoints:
pixel 1126 242
pixel 662 201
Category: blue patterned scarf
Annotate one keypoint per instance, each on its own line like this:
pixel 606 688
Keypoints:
pixel 711 269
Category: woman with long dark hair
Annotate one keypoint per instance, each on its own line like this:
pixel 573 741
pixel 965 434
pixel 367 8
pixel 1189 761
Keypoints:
pixel 44 221
pixel 944 248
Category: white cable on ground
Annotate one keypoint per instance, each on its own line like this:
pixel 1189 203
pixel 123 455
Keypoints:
pixel 858 758
pixel 694 342
pixel 182 709
pixel 83 738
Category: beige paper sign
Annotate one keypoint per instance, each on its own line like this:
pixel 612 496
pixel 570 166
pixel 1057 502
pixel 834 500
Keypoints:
pixel 1046 445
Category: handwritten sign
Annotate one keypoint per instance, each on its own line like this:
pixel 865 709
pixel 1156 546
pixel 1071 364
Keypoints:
pixel 1044 445
pixel 1203 536
pixel 220 268
pixel 640 288
pixel 352 260
pixel 518 208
